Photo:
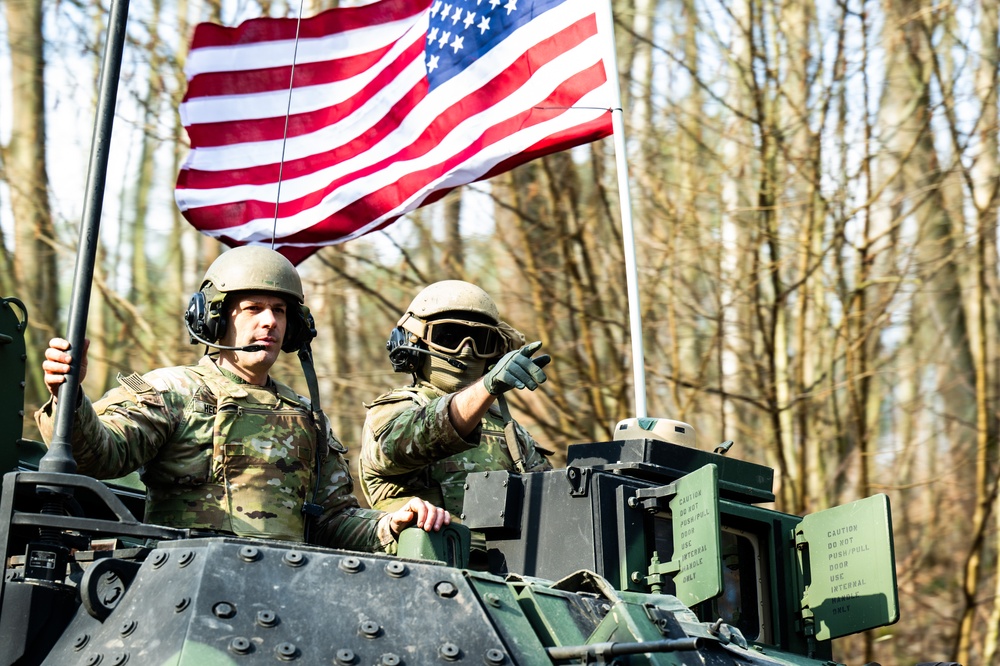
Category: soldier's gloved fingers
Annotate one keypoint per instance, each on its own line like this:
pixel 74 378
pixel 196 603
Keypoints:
pixel 531 348
pixel 542 361
pixel 536 372
pixel 521 375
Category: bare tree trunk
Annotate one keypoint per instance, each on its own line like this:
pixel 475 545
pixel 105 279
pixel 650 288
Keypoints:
pixel 986 180
pixel 25 167
pixel 453 258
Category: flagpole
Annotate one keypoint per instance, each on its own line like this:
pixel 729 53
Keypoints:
pixel 625 199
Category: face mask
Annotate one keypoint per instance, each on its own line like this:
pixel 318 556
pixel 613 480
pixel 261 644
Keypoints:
pixel 449 378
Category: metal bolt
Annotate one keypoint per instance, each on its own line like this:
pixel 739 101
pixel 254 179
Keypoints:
pixel 186 557
pixel 94 659
pixel 182 604
pixel 240 645
pixel 606 608
pixel 494 656
pixel 369 629
pixel 249 553
pixel 266 618
pixel 293 558
pixel 345 657
pixel 159 558
pixel 350 564
pixel 449 652
pixel 395 569
pixel 445 589
pixel 636 577
pixel 127 628
pixel 389 659
pixel 286 651
pixel 492 600
pixel 224 610
pixel 120 659
pixel 81 641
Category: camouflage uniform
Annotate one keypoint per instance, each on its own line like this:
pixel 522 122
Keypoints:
pixel 410 448
pixel 220 454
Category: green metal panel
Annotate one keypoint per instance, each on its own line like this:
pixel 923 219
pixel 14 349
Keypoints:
pixel 848 567
pixel 551 615
pixel 501 604
pixel 695 511
pixel 449 545
pixel 13 321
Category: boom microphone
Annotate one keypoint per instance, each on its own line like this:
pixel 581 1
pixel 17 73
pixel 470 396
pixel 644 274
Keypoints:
pixel 198 338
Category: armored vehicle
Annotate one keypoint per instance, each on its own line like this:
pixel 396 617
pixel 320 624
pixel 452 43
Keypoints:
pixel 644 549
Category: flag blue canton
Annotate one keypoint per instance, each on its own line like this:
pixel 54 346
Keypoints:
pixel 461 31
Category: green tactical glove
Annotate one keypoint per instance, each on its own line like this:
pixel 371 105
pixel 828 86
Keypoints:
pixel 517 369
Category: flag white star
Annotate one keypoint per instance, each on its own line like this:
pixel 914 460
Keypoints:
pixel 445 11
pixel 432 63
pixel 435 8
pixel 484 25
pixel 444 39
pixel 456 15
pixel 510 6
pixel 457 43
pixel 494 3
pixel 432 35
pixel 470 18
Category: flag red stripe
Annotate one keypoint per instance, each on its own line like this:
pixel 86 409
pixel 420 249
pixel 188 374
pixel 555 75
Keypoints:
pixel 324 24
pixel 213 84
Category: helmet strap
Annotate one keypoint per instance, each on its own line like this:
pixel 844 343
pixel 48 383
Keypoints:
pixel 312 510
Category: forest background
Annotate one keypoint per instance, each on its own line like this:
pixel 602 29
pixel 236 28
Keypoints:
pixel 815 196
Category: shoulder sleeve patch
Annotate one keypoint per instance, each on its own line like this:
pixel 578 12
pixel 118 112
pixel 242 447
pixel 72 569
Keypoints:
pixel 389 398
pixel 141 389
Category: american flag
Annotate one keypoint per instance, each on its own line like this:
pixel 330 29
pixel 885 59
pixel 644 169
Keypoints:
pixel 392 105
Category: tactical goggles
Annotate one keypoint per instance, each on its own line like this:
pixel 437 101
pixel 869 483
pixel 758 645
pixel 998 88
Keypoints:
pixel 450 335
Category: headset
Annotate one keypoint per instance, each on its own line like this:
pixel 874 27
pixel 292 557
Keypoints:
pixel 206 323
pixel 405 355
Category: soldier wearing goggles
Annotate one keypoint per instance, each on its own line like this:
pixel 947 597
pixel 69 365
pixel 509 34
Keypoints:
pixel 421 440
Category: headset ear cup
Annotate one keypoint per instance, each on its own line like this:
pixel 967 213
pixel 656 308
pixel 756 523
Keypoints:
pixel 401 351
pixel 202 322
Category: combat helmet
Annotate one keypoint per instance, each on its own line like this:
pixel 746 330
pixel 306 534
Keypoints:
pixel 248 268
pixel 442 318
pixel 252 268
pixel 453 296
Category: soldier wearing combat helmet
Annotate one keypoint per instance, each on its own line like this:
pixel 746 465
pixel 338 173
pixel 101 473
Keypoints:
pixel 221 445
pixel 423 439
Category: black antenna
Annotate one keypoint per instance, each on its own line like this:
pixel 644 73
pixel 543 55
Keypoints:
pixel 59 457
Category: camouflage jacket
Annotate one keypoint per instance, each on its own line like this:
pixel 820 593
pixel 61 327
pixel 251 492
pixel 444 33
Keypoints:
pixel 219 454
pixel 410 448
